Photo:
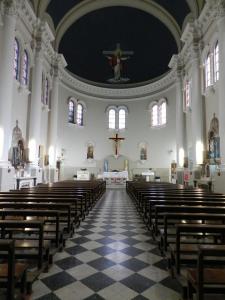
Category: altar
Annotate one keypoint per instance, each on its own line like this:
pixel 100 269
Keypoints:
pixel 115 177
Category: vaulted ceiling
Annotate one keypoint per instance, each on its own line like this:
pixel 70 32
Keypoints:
pixel 85 28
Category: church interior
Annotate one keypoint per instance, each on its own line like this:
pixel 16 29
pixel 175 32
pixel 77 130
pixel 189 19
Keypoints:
pixel 112 149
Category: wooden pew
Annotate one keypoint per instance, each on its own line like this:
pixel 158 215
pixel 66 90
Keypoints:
pixel 173 218
pixel 41 249
pixel 65 210
pixel 185 208
pixel 12 273
pixel 180 252
pixel 204 279
pixel 57 237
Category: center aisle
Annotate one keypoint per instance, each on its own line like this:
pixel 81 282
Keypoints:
pixel 111 256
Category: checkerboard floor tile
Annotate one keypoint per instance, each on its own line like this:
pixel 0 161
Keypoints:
pixel 110 256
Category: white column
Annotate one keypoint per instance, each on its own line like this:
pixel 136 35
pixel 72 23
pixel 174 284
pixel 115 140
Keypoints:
pixel 6 78
pixel 197 108
pixel 221 88
pixel 53 126
pixel 36 104
pixel 180 121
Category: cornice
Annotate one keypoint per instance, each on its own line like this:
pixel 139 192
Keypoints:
pixel 27 15
pixel 194 32
pixel 129 94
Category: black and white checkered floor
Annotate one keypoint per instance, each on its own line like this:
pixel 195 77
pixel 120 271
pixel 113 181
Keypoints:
pixel 111 256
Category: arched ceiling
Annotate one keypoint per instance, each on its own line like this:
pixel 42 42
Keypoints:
pixel 85 28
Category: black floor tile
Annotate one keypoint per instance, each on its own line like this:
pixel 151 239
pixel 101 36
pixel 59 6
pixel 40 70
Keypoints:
pixel 49 297
pixel 103 251
pixel 68 263
pixel 97 281
pixel 132 251
pixel 58 280
pixel 76 249
pixel 80 240
pixel 137 283
pixel 101 263
pixel 134 264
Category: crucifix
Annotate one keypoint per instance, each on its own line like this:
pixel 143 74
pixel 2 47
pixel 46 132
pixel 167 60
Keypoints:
pixel 116 57
pixel 116 139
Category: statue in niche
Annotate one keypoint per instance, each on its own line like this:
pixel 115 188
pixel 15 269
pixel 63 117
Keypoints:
pixel 90 152
pixel 214 139
pixel 17 154
pixel 143 153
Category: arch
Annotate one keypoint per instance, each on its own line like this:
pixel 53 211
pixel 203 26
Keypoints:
pixel 88 6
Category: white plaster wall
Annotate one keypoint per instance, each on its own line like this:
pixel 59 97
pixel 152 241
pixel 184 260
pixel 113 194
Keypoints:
pixel 74 139
pixel 20 107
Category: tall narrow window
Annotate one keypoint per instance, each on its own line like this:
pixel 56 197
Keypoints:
pixel 46 92
pixel 162 114
pixel 25 68
pixel 71 112
pixel 216 62
pixel 154 114
pixel 16 59
pixel 122 118
pixel 208 71
pixel 187 95
pixel 112 119
pixel 80 114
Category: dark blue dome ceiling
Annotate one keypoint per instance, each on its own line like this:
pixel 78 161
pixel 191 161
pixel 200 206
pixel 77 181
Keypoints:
pixel 150 40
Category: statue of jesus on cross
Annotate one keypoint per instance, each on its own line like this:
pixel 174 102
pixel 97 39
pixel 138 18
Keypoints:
pixel 116 58
pixel 117 139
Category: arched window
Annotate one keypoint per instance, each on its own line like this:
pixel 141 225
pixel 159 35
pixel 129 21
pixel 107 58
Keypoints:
pixel 16 59
pixel 208 71
pixel 122 118
pixel 187 103
pixel 71 111
pixel 80 113
pixel 112 119
pixel 216 61
pixel 25 70
pixel 154 114
pixel 46 93
pixel 162 113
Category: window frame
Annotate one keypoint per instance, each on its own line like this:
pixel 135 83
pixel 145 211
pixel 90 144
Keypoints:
pixel 156 117
pixel 80 115
pixel 71 111
pixel 208 70
pixel 16 60
pixel 117 118
pixel 216 64
pixel 25 69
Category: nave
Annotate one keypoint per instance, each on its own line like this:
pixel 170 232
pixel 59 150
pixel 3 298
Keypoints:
pixel 111 256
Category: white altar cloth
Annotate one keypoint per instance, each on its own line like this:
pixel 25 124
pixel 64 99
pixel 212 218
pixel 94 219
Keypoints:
pixel 121 174
pixel 115 178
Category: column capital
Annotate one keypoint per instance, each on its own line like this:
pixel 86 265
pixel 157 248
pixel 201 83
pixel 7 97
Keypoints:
pixel 11 7
pixel 220 9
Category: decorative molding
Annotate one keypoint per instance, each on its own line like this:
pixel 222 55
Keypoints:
pixel 11 7
pixel 102 93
